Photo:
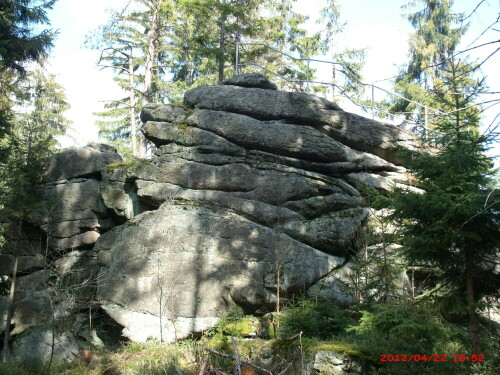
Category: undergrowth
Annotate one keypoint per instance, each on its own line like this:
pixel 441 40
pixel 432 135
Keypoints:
pixel 364 334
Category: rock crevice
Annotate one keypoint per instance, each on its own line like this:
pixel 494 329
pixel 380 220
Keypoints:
pixel 245 180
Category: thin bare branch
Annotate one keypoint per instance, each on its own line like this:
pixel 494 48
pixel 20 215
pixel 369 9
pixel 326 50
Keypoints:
pixel 243 362
pixel 474 11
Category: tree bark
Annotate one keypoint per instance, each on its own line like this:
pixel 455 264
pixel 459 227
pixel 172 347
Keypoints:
pixel 10 311
pixel 133 123
pixel 222 45
pixel 471 302
pixel 151 53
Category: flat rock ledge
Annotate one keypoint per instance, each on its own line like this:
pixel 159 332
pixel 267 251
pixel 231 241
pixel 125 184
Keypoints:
pixel 245 180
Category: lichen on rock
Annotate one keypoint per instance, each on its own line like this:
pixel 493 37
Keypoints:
pixel 246 180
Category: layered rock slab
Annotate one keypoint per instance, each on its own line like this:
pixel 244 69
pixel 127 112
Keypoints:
pixel 72 212
pixel 79 162
pixel 352 130
pixel 325 215
pixel 55 282
pixel 245 180
pixel 210 259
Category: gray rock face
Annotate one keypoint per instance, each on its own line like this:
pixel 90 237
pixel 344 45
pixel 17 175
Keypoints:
pixel 55 291
pixel 38 344
pixel 210 259
pixel 262 104
pixel 251 80
pixel 25 263
pixel 334 363
pixel 246 180
pixel 72 212
pixel 384 183
pixel 80 162
pixel 352 130
pixel 166 112
pixel 296 141
pixel 54 282
pixel 78 199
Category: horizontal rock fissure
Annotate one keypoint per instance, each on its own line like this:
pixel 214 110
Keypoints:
pixel 250 180
pixel 213 201
pixel 207 189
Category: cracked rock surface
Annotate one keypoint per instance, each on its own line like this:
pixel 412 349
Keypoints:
pixel 246 180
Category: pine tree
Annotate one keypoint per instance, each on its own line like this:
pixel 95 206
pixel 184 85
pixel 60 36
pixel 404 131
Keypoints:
pixel 33 137
pixel 115 125
pixel 133 45
pixel 38 120
pixel 19 44
pixel 118 124
pixel 161 48
pixel 438 31
pixel 455 225
pixel 350 61
pixel 215 27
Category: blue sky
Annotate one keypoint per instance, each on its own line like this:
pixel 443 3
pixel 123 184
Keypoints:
pixel 376 25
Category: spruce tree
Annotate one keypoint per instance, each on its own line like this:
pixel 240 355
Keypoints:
pixel 31 139
pixel 455 225
pixel 438 31
pixel 160 48
pixel 133 44
pixel 38 120
pixel 19 44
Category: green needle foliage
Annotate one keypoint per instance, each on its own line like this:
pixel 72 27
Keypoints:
pixel 317 318
pixel 31 139
pixel 437 33
pixel 193 44
pixel 455 225
pixel 19 45
pixel 18 42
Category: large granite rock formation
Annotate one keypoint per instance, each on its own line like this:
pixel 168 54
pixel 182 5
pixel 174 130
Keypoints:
pixel 57 267
pixel 247 181
pixel 247 184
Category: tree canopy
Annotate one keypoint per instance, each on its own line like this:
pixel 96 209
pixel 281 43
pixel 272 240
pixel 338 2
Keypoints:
pixel 455 225
pixel 159 49
pixel 19 43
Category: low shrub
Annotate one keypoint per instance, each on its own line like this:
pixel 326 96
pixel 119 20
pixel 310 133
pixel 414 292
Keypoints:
pixel 410 329
pixel 315 318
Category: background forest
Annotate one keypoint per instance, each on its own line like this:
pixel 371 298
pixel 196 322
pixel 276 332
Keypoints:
pixel 158 49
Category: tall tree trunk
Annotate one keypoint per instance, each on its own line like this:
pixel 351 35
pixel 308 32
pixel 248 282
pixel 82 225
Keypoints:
pixel 148 74
pixel 385 268
pixel 334 81
pixel 10 311
pixel 222 45
pixel 471 302
pixel 133 123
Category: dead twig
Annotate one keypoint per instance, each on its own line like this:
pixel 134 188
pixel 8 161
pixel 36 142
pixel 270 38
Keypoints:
pixel 204 367
pixel 286 369
pixel 178 370
pixel 293 337
pixel 236 356
pixel 242 362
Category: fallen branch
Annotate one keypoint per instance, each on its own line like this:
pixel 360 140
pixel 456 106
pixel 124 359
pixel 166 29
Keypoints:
pixel 293 337
pixel 236 356
pixel 242 362
pixel 204 367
